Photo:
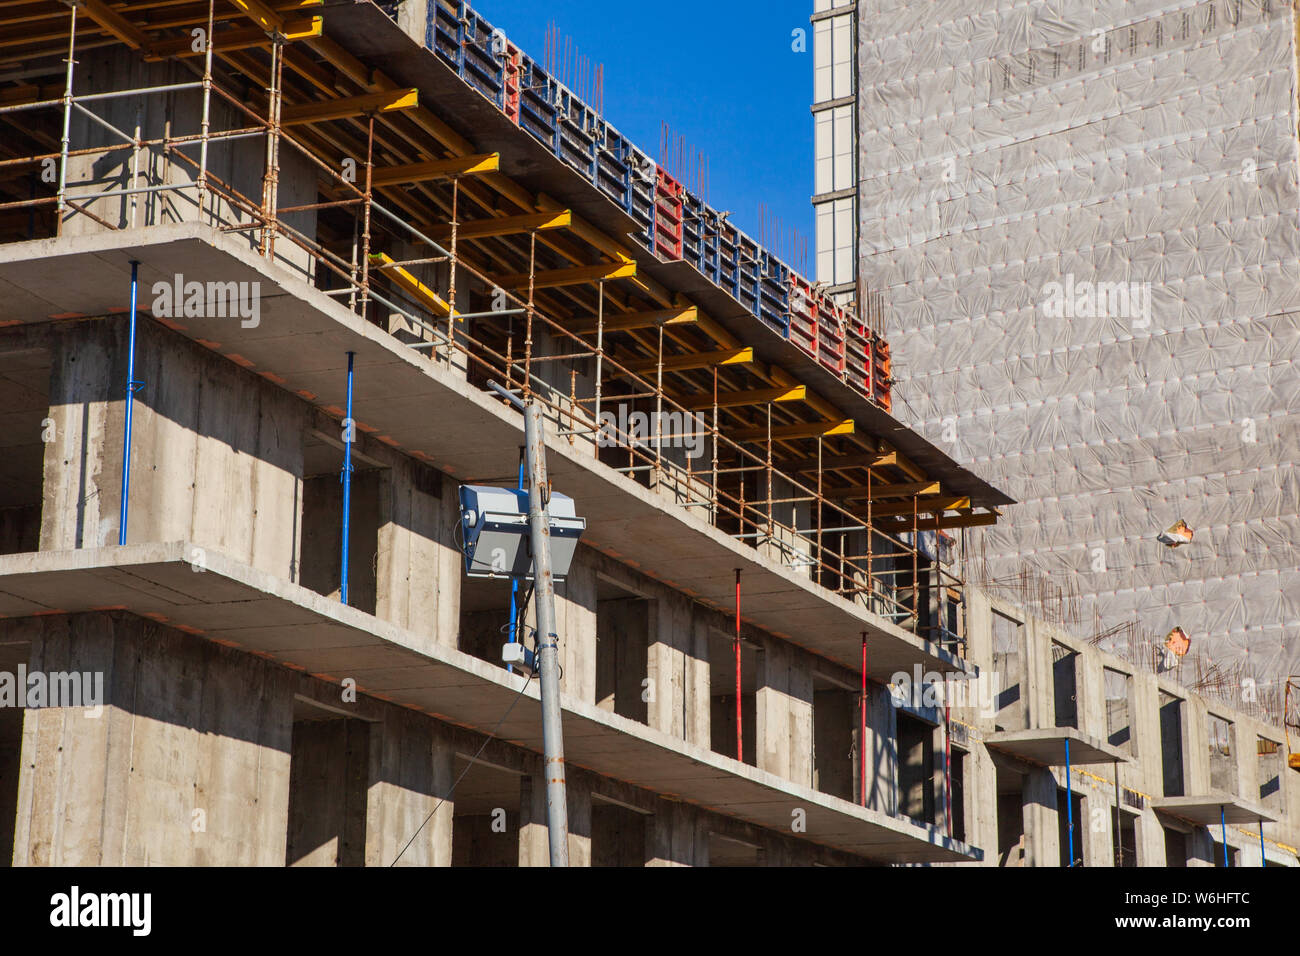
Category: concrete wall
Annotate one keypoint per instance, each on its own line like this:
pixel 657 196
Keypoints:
pixel 1140 780
pixel 188 763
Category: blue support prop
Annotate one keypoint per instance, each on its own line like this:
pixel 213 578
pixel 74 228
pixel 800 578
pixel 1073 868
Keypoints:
pixel 514 584
pixel 349 431
pixel 1069 803
pixel 131 387
pixel 1263 861
pixel 1223 829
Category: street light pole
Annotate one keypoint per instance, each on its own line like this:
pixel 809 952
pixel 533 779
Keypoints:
pixel 548 651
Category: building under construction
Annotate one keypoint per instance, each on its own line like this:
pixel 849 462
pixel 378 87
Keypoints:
pixel 267 270
pixel 1084 218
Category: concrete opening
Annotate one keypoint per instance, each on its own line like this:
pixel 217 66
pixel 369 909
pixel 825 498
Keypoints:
pixel 485 617
pixel 24 431
pixel 11 745
pixel 1233 859
pixel 1065 686
pixel 618 834
pixel 329 776
pixel 1119 731
pixel 321 558
pixel 729 851
pixel 1269 755
pixel 1171 744
pixel 1011 818
pixel 836 728
pixel 1175 848
pixel 916 768
pixel 1071 849
pixel 722 696
pixel 1123 837
pixel 623 622
pixel 957 793
pixel 1008 649
pixel 485 822
pixel 1223 768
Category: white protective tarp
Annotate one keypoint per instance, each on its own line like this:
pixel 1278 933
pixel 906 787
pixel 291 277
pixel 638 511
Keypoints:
pixel 1005 146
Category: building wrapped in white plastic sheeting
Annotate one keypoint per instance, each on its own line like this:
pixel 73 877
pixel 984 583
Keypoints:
pixel 1084 217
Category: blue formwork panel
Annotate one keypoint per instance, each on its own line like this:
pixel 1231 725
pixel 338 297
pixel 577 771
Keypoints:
pixel 444 35
pixel 774 293
pixel 536 110
pixel 613 166
pixel 576 142
pixel 643 196
pixel 693 225
pixel 577 135
pixel 747 251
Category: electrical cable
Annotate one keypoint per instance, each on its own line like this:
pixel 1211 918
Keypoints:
pixel 490 737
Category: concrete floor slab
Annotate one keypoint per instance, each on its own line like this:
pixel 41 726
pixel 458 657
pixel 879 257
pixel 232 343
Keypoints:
pixel 427 410
pixel 456 687
pixel 1046 746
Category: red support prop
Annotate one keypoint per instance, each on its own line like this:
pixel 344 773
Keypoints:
pixel 740 736
pixel 862 731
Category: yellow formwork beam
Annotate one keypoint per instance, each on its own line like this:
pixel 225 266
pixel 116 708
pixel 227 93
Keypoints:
pixel 385 102
pixel 969 519
pixel 933 505
pixel 436 169
pixel 435 303
pixel 757 396
pixel 261 14
pixel 227 41
pixel 505 225
pixel 692 360
pixel 579 275
pixel 632 321
pixel 796 430
pixel 116 24
pixel 883 490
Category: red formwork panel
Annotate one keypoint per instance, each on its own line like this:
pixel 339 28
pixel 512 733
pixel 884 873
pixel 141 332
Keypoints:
pixel 858 360
pixel 669 208
pixel 881 380
pixel 804 324
pixel 512 84
pixel 832 331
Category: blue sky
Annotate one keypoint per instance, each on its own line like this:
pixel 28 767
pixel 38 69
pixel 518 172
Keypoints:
pixel 721 73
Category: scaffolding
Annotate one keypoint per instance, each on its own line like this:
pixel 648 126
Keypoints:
pixel 416 231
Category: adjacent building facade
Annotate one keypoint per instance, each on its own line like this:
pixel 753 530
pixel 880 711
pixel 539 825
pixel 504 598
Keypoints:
pixel 1084 221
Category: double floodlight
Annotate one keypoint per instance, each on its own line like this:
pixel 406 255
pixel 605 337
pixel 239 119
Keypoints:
pixel 495 532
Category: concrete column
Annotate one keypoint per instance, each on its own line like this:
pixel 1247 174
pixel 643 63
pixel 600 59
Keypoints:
pixel 187 765
pixel 880 750
pixel 1042 840
pixel 1196 745
pixel 534 847
pixel 575 609
pixel 677 836
pixel 783 704
pixel 420 568
pixel 411 774
pixel 1150 840
pixel 413 18
pixel 981 806
pixel 677 663
pixel 83 465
